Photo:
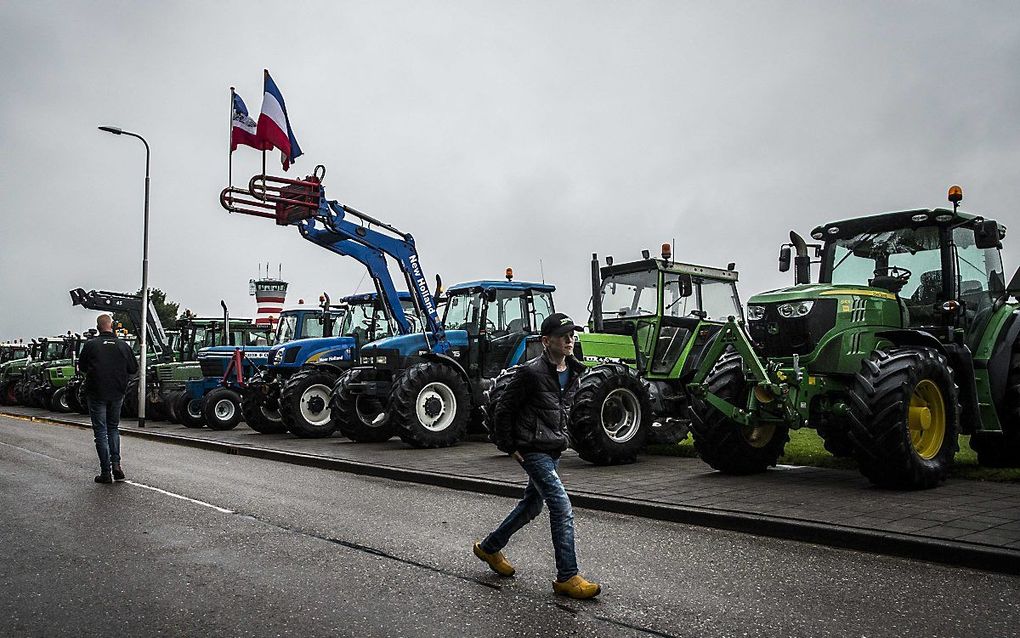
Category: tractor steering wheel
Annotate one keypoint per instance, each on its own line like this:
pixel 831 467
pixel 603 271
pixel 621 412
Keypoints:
pixel 894 272
pixel 490 327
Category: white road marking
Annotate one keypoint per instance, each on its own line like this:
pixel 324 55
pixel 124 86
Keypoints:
pixel 222 510
pixel 47 456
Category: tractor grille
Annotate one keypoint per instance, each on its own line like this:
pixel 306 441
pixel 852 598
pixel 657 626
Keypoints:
pixel 775 336
pixel 165 374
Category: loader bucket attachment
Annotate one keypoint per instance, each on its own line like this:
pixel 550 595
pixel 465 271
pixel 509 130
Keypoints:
pixel 288 201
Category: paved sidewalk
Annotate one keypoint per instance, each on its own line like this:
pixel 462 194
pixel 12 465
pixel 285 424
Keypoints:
pixel 967 522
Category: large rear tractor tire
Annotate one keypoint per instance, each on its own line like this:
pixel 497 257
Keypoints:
pixel 170 406
pixel 360 418
pixel 492 396
pixel 431 405
pixel 611 415
pixel 304 403
pixel 261 410
pixel 129 409
pixel 724 444
pixel 1002 449
pixel 904 418
pixel 189 411
pixel 82 398
pixel 221 409
pixel 7 393
pixel 58 400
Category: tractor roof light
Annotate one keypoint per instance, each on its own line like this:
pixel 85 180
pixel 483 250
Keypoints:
pixel 667 252
pixel 509 273
pixel 955 194
pixel 609 260
pixel 645 254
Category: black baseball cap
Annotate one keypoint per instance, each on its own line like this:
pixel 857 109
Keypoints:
pixel 558 324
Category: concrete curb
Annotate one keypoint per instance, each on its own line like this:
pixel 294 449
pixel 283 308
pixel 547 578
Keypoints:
pixel 869 540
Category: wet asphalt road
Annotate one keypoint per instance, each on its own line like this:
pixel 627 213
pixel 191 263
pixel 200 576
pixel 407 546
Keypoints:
pixel 273 549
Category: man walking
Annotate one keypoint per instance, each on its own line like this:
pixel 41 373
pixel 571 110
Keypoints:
pixel 530 424
pixel 107 363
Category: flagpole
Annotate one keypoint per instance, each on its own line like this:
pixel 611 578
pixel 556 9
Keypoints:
pixel 230 139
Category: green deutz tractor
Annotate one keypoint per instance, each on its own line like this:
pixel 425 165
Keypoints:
pixel 908 339
pixel 33 389
pixel 13 356
pixel 651 320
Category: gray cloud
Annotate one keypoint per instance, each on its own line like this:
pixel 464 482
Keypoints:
pixel 497 133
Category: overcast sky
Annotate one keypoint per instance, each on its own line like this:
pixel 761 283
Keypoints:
pixel 497 133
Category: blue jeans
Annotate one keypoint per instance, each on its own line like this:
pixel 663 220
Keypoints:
pixel 105 421
pixel 543 485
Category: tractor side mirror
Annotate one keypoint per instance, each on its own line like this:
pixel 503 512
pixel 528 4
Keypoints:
pixel 1013 289
pixel 686 285
pixel 986 235
pixel 784 259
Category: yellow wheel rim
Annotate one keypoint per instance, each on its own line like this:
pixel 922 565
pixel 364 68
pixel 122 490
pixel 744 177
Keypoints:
pixel 926 419
pixel 758 436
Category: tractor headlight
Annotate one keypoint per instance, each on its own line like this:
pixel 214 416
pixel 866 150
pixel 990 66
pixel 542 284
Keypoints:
pixel 795 309
pixel 755 313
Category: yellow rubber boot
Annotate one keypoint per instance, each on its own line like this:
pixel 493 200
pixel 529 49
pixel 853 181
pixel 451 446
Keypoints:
pixel 577 587
pixel 497 562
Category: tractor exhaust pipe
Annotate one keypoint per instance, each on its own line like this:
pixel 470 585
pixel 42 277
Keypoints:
pixel 802 262
pixel 226 324
pixel 596 293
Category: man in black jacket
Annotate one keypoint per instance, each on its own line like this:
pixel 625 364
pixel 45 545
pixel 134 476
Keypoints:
pixel 107 362
pixel 530 424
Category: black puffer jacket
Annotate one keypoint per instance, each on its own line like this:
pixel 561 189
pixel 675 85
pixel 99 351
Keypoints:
pixel 531 415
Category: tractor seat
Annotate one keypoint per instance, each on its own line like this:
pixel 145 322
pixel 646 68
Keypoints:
pixel 516 325
pixel 928 292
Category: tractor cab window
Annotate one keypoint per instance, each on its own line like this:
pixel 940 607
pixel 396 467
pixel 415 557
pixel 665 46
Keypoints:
pixel 906 261
pixel 543 304
pixel 980 279
pixel 357 322
pixel 54 350
pixel 718 299
pixel 504 315
pixel 411 313
pixel 286 329
pixel 630 294
pixel 463 312
pixel 674 303
pixel 312 325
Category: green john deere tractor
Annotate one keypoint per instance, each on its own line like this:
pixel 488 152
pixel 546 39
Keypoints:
pixel 908 339
pixel 651 320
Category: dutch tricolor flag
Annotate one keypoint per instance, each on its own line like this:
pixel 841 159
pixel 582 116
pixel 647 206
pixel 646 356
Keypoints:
pixel 274 126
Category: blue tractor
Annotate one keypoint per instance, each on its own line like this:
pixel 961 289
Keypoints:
pixel 406 385
pixel 291 393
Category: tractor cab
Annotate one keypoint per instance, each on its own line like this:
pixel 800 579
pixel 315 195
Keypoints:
pixel 501 321
pixel 654 313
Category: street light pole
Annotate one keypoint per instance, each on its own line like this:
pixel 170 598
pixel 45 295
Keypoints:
pixel 144 329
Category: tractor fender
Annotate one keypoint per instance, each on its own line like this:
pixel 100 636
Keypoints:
pixel 450 361
pixel 913 338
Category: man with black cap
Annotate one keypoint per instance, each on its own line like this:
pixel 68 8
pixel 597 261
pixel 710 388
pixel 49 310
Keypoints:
pixel 530 424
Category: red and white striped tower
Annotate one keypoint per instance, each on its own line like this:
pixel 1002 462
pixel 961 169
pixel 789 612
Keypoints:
pixel 269 295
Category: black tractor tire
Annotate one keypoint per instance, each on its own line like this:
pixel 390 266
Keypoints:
pixel 260 412
pixel 889 384
pixel 221 409
pixel 304 403
pixel 492 396
pixel 20 394
pixel 72 396
pixel 1002 449
pixel 170 406
pixel 667 431
pixel 430 404
pixel 7 393
pixel 155 409
pixel 611 415
pixel 190 411
pixel 835 437
pixel 129 409
pixel 59 401
pixel 82 398
pixel 355 415
pixel 724 444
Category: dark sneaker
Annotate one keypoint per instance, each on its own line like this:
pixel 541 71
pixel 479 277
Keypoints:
pixel 118 474
pixel 104 478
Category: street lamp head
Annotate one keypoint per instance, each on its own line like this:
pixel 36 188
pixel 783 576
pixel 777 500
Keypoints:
pixel 111 129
